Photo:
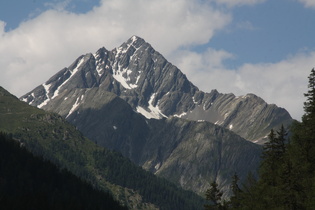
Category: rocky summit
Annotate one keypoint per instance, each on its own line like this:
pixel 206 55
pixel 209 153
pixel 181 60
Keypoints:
pixel 131 99
pixel 156 89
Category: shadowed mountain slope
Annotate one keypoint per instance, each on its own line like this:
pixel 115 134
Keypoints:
pixel 156 89
pixel 48 135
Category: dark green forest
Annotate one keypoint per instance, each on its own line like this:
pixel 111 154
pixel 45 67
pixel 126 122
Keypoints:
pixel 159 191
pixel 287 171
pixel 29 182
pixel 118 170
pixel 50 137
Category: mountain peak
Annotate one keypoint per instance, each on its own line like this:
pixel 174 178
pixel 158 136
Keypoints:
pixel 155 88
pixel 133 42
pixel 135 38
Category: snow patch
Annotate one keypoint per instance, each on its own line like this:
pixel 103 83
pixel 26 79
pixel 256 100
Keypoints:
pixel 144 112
pixel 231 127
pixel 138 77
pixel 33 95
pixel 98 63
pixel 119 76
pixel 75 105
pixel 99 69
pixel 154 111
pixel 193 98
pixel 157 166
pixel 226 115
pixel 115 128
pixel 96 55
pixel 218 122
pixel 133 38
pixel 73 72
pixel 180 115
pixel 46 87
pixel 122 74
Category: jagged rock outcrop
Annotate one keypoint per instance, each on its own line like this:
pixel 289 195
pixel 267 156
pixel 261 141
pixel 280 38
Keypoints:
pixel 188 153
pixel 156 88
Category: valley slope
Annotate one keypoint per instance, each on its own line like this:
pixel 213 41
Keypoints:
pixel 48 135
pixel 131 99
pixel 188 153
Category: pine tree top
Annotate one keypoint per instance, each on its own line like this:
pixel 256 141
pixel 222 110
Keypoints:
pixel 309 105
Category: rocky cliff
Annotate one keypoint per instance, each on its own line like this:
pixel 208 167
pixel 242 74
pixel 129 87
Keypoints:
pixel 156 89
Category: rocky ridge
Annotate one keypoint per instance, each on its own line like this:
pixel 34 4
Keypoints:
pixel 156 89
pixel 131 99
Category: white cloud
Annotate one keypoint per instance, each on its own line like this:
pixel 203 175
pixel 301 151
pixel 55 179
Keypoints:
pixel 233 3
pixel 41 46
pixel 59 6
pixel 282 83
pixel 308 3
pixel 2 28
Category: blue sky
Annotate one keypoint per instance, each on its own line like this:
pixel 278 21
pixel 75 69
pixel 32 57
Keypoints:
pixel 267 32
pixel 13 12
pixel 265 47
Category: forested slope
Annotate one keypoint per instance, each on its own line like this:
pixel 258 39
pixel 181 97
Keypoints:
pixel 49 136
pixel 287 171
pixel 29 182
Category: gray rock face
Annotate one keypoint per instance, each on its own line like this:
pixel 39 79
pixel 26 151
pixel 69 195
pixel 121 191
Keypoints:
pixel 156 89
pixel 190 154
pixel 186 135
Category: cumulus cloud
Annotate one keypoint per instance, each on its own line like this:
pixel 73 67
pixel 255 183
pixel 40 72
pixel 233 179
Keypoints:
pixel 2 27
pixel 282 83
pixel 234 3
pixel 60 6
pixel 308 3
pixel 41 46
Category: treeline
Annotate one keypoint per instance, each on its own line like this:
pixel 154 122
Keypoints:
pixel 164 194
pixel 287 172
pixel 29 182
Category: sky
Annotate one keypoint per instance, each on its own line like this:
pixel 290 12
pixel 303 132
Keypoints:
pixel 265 47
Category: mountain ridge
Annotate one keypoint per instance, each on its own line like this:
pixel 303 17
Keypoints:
pixel 156 89
pixel 131 99
pixel 158 145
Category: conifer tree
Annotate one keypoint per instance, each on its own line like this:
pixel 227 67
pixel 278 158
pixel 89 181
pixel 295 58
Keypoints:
pixel 309 105
pixel 272 156
pixel 302 151
pixel 307 134
pixel 235 199
pixel 269 186
pixel 287 172
pixel 214 195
